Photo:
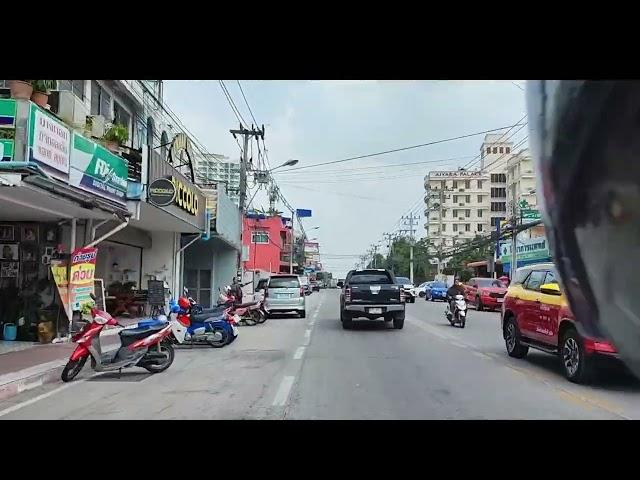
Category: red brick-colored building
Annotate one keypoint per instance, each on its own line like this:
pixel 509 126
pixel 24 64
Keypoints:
pixel 268 241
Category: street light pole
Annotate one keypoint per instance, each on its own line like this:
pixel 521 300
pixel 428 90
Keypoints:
pixel 292 241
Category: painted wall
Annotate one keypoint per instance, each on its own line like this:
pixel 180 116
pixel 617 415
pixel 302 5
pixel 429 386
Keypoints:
pixel 158 260
pixel 264 256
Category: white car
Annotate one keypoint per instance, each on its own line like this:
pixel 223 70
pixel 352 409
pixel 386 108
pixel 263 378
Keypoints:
pixel 420 290
pixel 408 287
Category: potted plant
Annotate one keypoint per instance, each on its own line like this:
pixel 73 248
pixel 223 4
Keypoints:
pixel 21 89
pixel 41 91
pixel 116 135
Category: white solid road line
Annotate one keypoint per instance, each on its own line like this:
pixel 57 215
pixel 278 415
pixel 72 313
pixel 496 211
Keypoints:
pixel 299 353
pixel 283 391
pixel 33 400
pixel 307 333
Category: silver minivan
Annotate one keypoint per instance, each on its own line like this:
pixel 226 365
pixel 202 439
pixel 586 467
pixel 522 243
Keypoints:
pixel 284 293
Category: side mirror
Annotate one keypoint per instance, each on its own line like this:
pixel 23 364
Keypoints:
pixel 550 289
pixel 340 284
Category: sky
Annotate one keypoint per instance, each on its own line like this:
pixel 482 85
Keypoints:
pixel 353 203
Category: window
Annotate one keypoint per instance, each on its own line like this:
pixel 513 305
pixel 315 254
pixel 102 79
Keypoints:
pixel 479 198
pixel 498 178
pixel 455 184
pixel 498 206
pixel 535 280
pixel 467 227
pixel 443 184
pixel 479 227
pixel 495 221
pixel 508 150
pixel 120 115
pixel 100 101
pixel 75 86
pixel 495 149
pixel 455 213
pixel 479 213
pixel 501 149
pixel 455 227
pixel 467 213
pixel 467 198
pixel 467 184
pixel 455 200
pixel 479 184
pixel 294 282
pixel 260 237
pixel 551 278
pixel 498 192
pixel 488 149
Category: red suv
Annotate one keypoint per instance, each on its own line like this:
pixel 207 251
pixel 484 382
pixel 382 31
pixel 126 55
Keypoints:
pixel 536 314
pixel 485 293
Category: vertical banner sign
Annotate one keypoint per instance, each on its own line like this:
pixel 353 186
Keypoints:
pixel 83 268
pixel 59 271
pixel 49 141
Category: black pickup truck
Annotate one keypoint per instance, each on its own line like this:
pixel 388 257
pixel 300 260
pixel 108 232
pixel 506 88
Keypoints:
pixel 371 293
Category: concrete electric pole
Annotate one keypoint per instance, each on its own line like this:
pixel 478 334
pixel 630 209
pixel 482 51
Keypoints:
pixel 244 161
pixel 411 221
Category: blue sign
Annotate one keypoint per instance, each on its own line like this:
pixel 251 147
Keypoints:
pixel 301 213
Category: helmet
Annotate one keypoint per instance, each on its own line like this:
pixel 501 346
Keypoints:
pixel 585 140
pixel 184 303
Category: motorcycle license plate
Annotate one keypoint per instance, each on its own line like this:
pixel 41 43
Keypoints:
pixel 235 330
pixel 375 310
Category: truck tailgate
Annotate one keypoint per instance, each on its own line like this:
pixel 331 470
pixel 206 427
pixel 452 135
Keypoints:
pixel 375 294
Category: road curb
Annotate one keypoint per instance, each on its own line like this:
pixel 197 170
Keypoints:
pixel 49 373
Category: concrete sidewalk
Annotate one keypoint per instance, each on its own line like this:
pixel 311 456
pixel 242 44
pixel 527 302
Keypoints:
pixel 29 368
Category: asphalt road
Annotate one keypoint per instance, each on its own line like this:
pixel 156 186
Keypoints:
pixel 292 368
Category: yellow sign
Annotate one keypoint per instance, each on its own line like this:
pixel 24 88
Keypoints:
pixel 59 271
pixel 186 198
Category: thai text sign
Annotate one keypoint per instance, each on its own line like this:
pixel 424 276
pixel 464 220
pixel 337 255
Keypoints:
pixel 49 143
pixel 529 249
pixel 83 268
pixel 59 272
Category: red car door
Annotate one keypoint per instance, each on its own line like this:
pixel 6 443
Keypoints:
pixel 470 291
pixel 550 306
pixel 530 321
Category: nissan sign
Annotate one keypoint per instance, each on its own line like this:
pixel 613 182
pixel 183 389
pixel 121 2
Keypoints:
pixel 162 192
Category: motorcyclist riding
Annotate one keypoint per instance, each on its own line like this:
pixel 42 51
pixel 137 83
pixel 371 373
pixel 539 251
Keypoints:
pixel 456 289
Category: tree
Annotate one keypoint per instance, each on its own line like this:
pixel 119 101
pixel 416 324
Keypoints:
pixel 473 253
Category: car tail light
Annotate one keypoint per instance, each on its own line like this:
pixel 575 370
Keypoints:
pixel 302 291
pixel 402 295
pixel 347 294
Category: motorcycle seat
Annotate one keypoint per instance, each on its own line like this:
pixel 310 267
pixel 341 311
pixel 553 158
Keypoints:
pixel 248 304
pixel 136 333
pixel 203 317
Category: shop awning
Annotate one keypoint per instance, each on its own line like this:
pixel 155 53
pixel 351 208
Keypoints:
pixel 31 196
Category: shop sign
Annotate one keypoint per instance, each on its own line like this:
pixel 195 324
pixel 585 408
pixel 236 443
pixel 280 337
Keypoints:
pixel 530 214
pixel 97 170
pixel 186 197
pixel 162 192
pixel 83 268
pixel 7 128
pixel 528 249
pixel 179 144
pixel 456 173
pixel 49 141
pixel 59 272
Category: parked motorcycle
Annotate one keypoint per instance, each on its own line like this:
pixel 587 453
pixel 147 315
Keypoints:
pixel 459 314
pixel 194 324
pixel 147 347
pixel 250 313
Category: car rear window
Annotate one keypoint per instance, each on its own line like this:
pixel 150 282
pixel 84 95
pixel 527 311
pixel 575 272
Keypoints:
pixel 488 282
pixel 521 275
pixel 370 278
pixel 402 280
pixel 284 282
pixel 438 285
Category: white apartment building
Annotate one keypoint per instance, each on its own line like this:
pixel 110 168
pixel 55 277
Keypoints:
pixel 216 168
pixel 521 180
pixel 495 152
pixel 457 206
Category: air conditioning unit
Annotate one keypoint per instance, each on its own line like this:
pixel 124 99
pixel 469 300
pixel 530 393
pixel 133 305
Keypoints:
pixel 72 109
pixel 97 126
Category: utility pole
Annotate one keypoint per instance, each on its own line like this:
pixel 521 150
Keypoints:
pixel 390 237
pixel 514 237
pixel 411 218
pixel 244 161
pixel 293 213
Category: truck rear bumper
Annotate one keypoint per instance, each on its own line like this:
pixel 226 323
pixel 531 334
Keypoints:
pixel 365 310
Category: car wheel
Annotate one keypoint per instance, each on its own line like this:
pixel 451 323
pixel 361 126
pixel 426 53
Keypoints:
pixel 479 306
pixel 398 323
pixel 577 365
pixel 302 314
pixel 345 318
pixel 512 341
pixel 421 294
pixel 432 299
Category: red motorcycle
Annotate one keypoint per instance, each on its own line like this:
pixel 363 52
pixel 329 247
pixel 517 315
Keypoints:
pixel 250 313
pixel 146 347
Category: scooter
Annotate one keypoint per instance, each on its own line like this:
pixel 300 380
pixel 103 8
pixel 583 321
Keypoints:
pixel 210 328
pixel 147 347
pixel 250 313
pixel 459 314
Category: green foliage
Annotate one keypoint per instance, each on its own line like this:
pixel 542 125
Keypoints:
pixel 117 133
pixel 44 86
pixel 86 307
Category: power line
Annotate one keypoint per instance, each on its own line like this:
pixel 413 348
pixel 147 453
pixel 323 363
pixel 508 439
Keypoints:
pixel 477 157
pixel 247 103
pixel 232 104
pixel 435 142
pixel 508 138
